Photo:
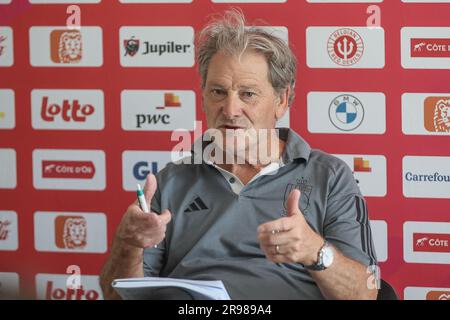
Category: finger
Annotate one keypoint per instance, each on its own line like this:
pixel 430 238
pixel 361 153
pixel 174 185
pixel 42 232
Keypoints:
pixel 165 216
pixel 279 225
pixel 293 202
pixel 276 258
pixel 144 221
pixel 272 239
pixel 150 188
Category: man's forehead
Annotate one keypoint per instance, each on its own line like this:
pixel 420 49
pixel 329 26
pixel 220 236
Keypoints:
pixel 249 69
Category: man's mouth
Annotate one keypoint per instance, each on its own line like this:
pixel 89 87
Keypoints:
pixel 230 127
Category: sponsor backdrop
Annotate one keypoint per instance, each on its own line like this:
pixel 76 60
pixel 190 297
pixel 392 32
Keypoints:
pixel 86 113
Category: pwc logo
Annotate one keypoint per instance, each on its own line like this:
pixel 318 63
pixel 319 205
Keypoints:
pixel 426 242
pixel 70 232
pixel 431 242
pixel 54 287
pixel 63 47
pixel 67 109
pixel 361 165
pixel 69 169
pixel 171 100
pixel 369 172
pixel 154 110
pixel 430 48
pixel 437 114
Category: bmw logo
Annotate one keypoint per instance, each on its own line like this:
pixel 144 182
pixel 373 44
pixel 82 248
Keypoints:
pixel 346 112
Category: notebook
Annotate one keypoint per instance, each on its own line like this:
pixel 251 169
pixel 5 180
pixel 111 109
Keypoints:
pixel 143 288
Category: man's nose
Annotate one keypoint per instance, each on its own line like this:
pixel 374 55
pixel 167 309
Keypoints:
pixel 232 106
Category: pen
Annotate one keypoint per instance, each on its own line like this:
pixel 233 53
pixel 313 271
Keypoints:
pixel 141 199
pixel 143 203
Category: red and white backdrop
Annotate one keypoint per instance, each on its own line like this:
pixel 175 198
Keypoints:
pixel 86 113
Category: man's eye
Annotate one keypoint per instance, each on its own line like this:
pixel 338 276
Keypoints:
pixel 217 92
pixel 248 94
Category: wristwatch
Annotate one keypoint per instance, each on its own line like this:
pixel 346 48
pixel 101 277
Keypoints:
pixel 325 258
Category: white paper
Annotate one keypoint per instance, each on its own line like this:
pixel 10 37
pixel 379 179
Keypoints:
pixel 141 288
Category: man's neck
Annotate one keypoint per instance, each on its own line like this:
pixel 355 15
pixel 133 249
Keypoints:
pixel 246 171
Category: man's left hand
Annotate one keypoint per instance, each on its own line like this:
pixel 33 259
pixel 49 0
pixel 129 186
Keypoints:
pixel 290 239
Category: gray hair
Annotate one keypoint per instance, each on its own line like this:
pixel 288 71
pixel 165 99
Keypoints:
pixel 231 34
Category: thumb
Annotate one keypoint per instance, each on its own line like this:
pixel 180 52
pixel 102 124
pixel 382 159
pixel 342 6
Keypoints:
pixel 150 188
pixel 292 203
pixel 166 216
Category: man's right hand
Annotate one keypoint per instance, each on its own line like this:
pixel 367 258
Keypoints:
pixel 139 229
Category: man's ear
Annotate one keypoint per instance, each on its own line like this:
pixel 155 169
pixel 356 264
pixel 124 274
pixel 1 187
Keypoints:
pixel 282 103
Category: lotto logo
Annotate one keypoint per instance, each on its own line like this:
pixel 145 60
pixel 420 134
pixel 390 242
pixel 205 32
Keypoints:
pixel 67 109
pixel 54 287
pixel 70 232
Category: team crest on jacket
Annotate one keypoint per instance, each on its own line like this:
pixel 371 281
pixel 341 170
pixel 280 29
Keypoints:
pixel 305 189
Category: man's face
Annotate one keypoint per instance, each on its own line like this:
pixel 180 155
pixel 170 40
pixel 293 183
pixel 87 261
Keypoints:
pixel 239 95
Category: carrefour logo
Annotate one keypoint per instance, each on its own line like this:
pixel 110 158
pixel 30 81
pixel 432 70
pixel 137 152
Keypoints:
pixel 426 177
pixel 436 177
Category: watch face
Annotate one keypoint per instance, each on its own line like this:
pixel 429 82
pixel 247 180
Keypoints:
pixel 327 257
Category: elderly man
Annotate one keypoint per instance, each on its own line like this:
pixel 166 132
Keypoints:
pixel 293 228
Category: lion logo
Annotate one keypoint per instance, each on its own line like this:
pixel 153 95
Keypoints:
pixel 66 46
pixel 442 116
pixel 437 114
pixel 71 232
